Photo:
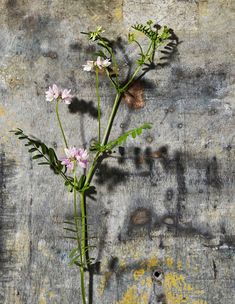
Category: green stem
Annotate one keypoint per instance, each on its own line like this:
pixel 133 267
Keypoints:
pixel 79 243
pixel 111 80
pixel 98 100
pixel 58 118
pixel 82 276
pixel 141 50
pixel 111 119
pixel 115 66
pixel 123 89
pixel 85 245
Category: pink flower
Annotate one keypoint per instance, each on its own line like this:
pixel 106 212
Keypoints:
pixel 88 66
pixel 55 92
pixel 52 93
pixel 82 158
pixel 100 63
pixel 66 96
pixel 73 156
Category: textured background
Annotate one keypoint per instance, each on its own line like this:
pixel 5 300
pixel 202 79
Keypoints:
pixel 166 202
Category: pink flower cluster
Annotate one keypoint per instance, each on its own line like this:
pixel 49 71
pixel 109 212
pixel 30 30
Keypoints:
pixel 55 92
pixel 73 156
pixel 100 63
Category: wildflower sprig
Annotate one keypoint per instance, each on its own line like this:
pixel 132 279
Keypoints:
pixel 77 167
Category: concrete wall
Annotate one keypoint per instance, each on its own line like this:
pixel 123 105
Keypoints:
pixel 167 205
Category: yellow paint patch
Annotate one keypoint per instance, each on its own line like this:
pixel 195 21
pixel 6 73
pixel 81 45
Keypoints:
pixel 153 262
pixel 51 294
pixel 169 262
pixel 148 282
pixel 138 273
pixel 178 291
pixel 132 296
pixel 42 300
pixel 179 265
pixel 118 14
pixel 2 111
pixel 203 7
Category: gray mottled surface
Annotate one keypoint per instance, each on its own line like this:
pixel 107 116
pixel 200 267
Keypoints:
pixel 171 213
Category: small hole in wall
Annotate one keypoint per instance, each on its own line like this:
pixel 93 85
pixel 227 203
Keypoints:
pixel 157 274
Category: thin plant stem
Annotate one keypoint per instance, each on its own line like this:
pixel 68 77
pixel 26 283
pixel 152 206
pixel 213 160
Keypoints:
pixel 79 243
pixel 140 47
pixel 58 118
pixel 123 89
pixel 98 101
pixel 115 65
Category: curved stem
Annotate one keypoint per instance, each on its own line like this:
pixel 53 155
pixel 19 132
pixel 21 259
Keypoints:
pixel 58 118
pixel 140 47
pixel 98 100
pixel 123 89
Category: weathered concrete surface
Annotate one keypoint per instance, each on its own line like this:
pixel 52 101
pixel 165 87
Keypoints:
pixel 171 213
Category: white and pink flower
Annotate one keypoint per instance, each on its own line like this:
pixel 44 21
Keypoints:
pixel 75 156
pixel 100 63
pixel 55 92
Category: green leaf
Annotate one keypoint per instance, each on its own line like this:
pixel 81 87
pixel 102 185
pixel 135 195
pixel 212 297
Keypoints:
pixel 32 150
pixel 133 134
pixel 73 253
pixel 44 148
pixel 81 181
pixel 37 156
pixel 121 139
pixel 51 155
pixel 69 223
pixel 22 137
pixel 74 259
pixel 44 163
pixel 70 229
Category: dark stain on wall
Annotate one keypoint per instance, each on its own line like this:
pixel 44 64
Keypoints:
pixel 212 174
pixel 181 186
pixel 7 222
pixel 111 176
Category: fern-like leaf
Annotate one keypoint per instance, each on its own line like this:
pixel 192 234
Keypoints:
pixel 40 150
pixel 121 139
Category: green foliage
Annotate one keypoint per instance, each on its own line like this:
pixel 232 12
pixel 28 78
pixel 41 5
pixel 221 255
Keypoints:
pixel 121 139
pixel 152 34
pixel 39 150
pixel 76 255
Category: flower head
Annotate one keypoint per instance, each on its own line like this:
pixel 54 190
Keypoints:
pixel 66 96
pixel 52 93
pixel 88 66
pixel 82 157
pixel 75 156
pixel 55 92
pixel 95 35
pixel 100 63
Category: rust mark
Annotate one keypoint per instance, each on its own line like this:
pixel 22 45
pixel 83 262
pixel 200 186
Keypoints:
pixel 134 97
pixel 141 216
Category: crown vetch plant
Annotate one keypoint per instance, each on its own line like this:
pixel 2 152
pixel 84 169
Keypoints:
pixel 75 160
